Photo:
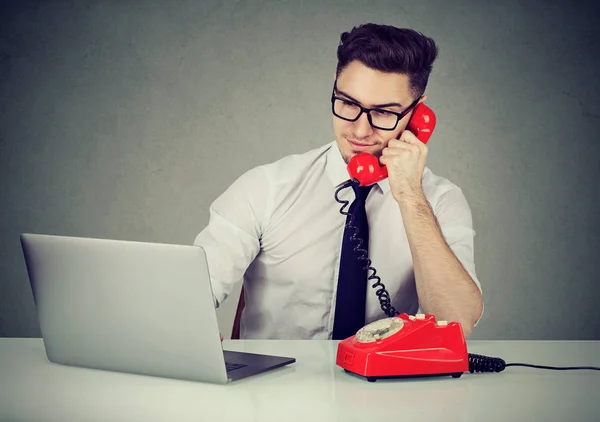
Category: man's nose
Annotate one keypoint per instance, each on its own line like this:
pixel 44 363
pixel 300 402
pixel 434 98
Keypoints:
pixel 362 127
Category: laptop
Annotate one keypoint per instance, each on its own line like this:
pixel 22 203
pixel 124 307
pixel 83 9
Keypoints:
pixel 132 307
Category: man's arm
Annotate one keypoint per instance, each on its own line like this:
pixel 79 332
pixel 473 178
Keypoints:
pixel 444 286
pixel 440 252
pixel 231 239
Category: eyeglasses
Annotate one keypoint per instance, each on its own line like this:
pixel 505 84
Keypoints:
pixel 378 118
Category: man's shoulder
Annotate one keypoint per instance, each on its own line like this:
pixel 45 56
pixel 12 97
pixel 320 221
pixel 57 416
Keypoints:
pixel 291 166
pixel 283 171
pixel 438 188
pixel 435 182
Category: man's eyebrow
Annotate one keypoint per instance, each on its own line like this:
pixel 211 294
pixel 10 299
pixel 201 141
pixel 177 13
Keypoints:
pixel 375 106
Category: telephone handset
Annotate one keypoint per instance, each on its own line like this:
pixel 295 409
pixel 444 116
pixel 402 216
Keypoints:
pixel 366 168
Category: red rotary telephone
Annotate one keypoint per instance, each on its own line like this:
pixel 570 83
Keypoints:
pixel 405 346
pixel 365 167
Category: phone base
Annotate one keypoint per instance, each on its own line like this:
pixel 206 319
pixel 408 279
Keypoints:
pixel 404 347
pixel 441 375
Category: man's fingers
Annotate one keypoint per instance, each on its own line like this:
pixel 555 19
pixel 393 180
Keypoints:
pixel 408 137
pixel 395 146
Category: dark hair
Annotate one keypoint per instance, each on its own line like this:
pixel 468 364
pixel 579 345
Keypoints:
pixel 389 49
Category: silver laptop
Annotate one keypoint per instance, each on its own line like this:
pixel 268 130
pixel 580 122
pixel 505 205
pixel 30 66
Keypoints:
pixel 133 307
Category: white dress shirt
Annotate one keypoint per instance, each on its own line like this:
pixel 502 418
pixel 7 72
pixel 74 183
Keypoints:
pixel 279 229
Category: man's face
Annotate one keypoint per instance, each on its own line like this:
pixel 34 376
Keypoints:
pixel 370 88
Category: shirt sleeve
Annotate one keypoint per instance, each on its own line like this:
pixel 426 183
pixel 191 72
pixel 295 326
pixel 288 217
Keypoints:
pixel 456 223
pixel 231 240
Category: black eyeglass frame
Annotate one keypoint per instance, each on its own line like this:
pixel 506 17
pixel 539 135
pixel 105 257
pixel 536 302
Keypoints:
pixel 399 116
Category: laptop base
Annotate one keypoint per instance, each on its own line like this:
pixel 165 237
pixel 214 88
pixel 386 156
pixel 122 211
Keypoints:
pixel 252 363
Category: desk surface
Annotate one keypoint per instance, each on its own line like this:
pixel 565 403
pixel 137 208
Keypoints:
pixel 312 389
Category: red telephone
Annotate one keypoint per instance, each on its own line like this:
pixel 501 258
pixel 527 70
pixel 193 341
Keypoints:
pixel 365 167
pixel 405 346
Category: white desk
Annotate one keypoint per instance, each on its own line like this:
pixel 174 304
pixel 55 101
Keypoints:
pixel 312 389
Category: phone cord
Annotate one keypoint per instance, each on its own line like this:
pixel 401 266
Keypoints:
pixel 382 294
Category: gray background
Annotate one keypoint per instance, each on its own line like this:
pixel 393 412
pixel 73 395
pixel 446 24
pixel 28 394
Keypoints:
pixel 125 119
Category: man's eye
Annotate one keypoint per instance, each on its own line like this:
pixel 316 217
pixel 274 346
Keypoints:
pixel 382 113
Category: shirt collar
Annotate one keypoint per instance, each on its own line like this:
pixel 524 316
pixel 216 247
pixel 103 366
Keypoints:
pixel 338 173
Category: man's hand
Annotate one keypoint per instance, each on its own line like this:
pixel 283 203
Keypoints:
pixel 405 161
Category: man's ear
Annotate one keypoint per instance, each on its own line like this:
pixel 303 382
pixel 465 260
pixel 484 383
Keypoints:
pixel 423 98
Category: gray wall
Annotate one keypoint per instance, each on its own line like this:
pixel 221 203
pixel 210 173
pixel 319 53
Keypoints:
pixel 125 119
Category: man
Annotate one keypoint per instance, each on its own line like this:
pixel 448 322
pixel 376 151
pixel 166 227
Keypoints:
pixel 280 229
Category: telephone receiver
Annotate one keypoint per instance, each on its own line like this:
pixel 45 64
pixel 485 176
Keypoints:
pixel 366 168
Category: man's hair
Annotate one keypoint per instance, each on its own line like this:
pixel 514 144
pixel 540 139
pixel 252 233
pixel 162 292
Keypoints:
pixel 391 50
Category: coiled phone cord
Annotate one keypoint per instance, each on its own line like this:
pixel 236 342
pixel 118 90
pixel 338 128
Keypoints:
pixel 382 294
pixel 477 363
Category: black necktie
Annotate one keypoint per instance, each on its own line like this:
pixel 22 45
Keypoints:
pixel 351 299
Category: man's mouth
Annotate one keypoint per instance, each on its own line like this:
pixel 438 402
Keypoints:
pixel 359 145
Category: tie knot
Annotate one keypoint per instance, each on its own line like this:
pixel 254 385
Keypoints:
pixel 361 192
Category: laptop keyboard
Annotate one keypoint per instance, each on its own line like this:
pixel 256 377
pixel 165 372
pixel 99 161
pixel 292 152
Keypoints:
pixel 232 366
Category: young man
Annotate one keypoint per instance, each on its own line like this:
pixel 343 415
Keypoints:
pixel 280 229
